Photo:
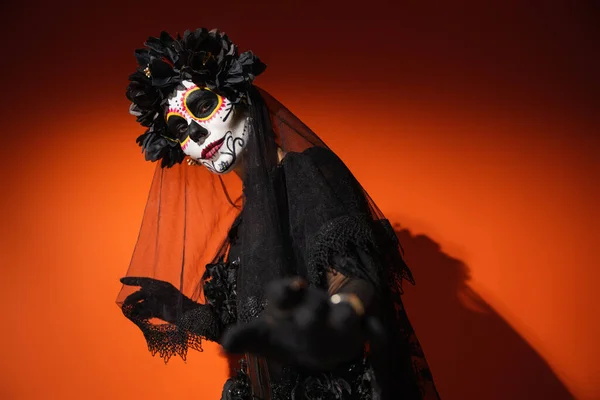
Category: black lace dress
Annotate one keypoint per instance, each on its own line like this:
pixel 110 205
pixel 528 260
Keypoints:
pixel 256 378
pixel 351 243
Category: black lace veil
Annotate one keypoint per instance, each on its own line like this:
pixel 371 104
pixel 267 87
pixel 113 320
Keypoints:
pixel 300 212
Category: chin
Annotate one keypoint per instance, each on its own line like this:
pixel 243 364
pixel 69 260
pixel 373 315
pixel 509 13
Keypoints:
pixel 222 170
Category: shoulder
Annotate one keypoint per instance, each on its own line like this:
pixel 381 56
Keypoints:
pixel 320 157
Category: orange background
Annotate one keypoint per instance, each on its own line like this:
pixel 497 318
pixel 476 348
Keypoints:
pixel 473 127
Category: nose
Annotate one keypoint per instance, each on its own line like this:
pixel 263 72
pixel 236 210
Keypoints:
pixel 197 132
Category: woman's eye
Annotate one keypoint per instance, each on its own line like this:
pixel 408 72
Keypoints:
pixel 177 127
pixel 205 107
pixel 201 103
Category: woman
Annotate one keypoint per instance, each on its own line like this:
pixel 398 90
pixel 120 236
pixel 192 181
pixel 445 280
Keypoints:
pixel 286 261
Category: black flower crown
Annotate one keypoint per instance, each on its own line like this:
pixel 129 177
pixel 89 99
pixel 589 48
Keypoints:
pixel 207 58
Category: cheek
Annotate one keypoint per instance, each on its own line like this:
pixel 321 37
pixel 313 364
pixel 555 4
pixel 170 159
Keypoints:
pixel 244 133
pixel 191 148
pixel 185 144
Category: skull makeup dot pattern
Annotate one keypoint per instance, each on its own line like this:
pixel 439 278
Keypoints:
pixel 179 104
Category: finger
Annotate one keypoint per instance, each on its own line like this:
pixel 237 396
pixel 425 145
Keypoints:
pixel 376 333
pixel 343 316
pixel 313 312
pixel 141 311
pixel 286 294
pixel 247 338
pixel 136 306
pixel 133 280
pixel 149 284
pixel 134 297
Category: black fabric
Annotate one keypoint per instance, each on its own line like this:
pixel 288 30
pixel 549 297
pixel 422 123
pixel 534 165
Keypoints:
pixel 359 287
pixel 305 216
pixel 220 290
pixel 355 246
pixel 263 235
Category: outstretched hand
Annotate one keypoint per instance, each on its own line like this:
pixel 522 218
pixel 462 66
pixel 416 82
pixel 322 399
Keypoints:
pixel 301 326
pixel 156 299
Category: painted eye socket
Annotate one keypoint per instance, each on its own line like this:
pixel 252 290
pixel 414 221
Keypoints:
pixel 201 103
pixel 177 127
pixel 205 107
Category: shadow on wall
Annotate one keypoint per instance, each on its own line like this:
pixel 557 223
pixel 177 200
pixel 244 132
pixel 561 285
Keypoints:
pixel 472 351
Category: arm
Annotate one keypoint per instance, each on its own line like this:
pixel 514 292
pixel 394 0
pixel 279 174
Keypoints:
pixel 201 321
pixel 160 299
pixel 358 293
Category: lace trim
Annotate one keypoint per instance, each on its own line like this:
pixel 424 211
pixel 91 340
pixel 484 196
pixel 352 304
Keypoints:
pixel 348 235
pixel 204 321
pixel 167 340
pixel 340 236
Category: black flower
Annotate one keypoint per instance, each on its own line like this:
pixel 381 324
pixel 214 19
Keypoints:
pixel 145 99
pixel 157 146
pixel 220 289
pixel 208 58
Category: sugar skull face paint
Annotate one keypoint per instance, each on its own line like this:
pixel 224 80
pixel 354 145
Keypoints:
pixel 211 130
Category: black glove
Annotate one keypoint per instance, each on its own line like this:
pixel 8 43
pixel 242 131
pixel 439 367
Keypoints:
pixel 156 299
pixel 300 326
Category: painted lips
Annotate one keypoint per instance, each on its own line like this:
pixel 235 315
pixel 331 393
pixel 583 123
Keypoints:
pixel 212 148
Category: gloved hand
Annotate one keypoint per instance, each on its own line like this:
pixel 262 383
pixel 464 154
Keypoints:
pixel 300 326
pixel 156 299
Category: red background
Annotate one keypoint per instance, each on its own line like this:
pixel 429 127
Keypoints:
pixel 473 127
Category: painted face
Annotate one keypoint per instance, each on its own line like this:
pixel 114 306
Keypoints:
pixel 211 130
